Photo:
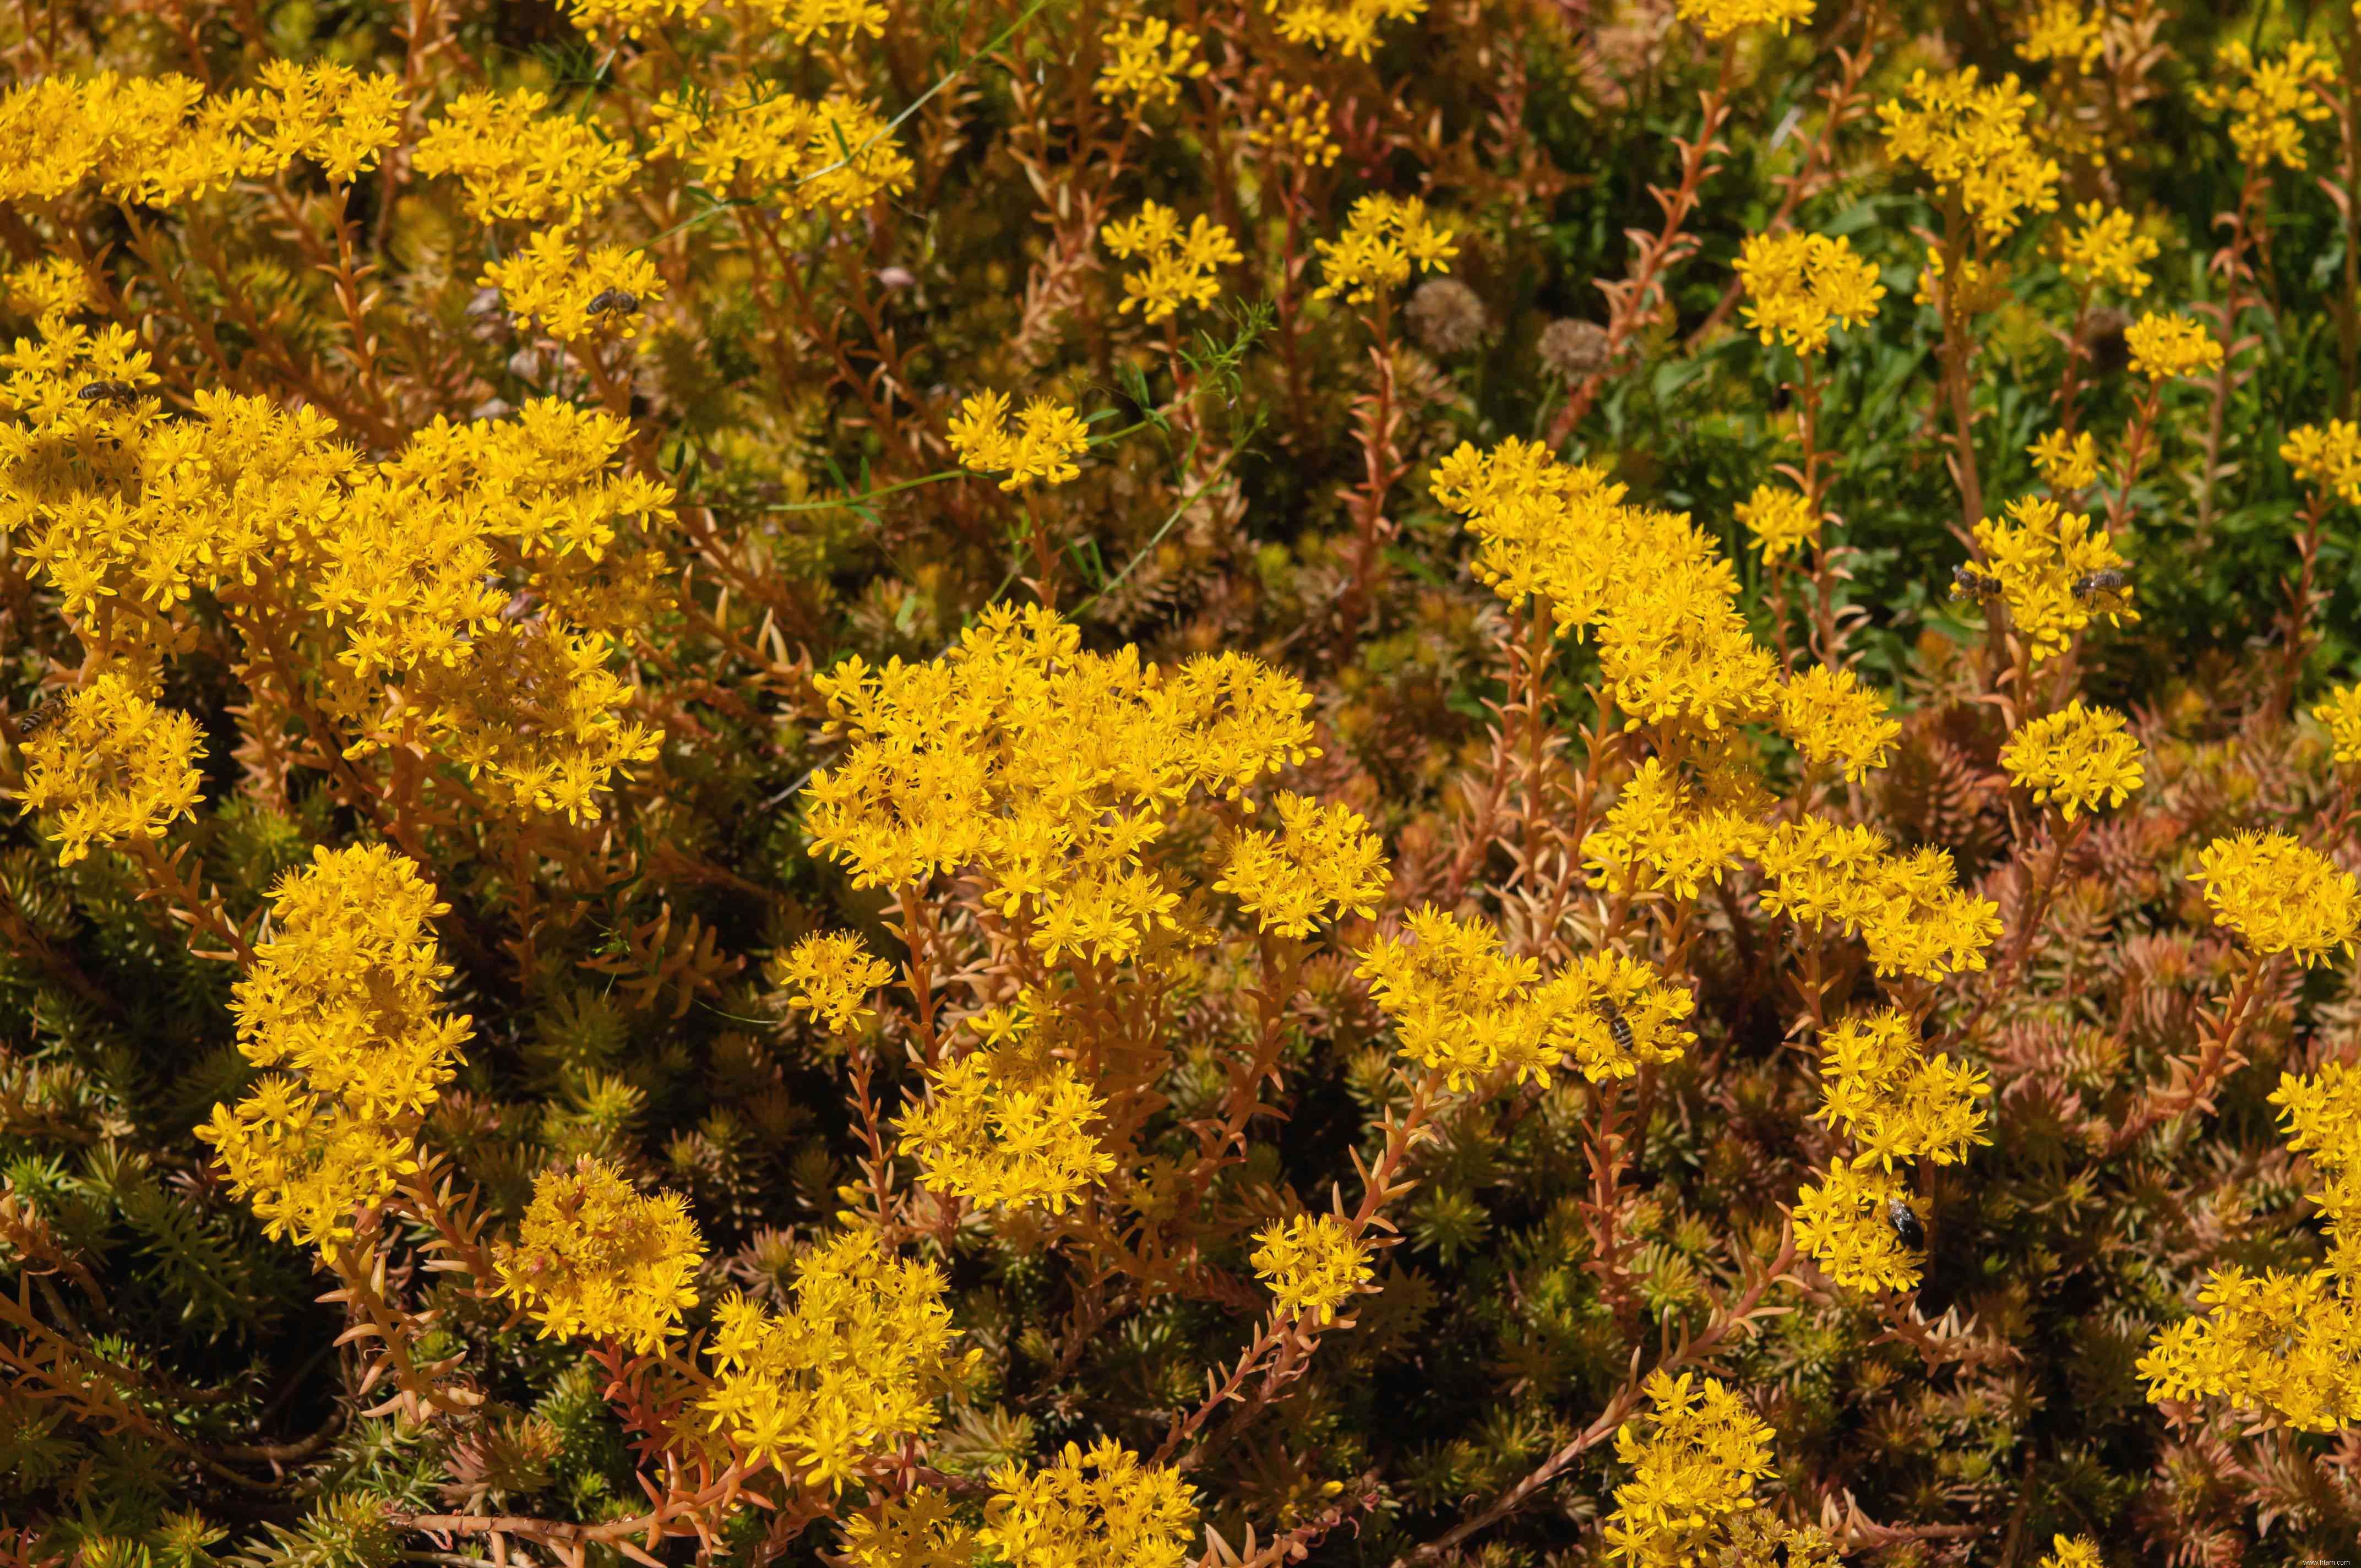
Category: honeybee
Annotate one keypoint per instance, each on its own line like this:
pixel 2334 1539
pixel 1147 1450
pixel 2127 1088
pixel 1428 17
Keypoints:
pixel 40 717
pixel 1618 1027
pixel 614 301
pixel 1907 1228
pixel 117 392
pixel 2108 580
pixel 1967 583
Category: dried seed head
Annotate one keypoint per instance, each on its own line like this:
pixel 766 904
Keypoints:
pixel 1446 317
pixel 1573 350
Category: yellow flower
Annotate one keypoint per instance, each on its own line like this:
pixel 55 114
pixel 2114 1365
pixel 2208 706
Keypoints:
pixel 2342 713
pixel 2072 1552
pixel 2040 552
pixel 1041 449
pixel 2270 101
pixel 2079 757
pixel 1313 1265
pixel 1181 266
pixel 1798 284
pixel 1978 287
pixel 830 975
pixel 2327 458
pixel 1147 60
pixel 2280 896
pixel 2066 463
pixel 1102 1509
pixel 113 766
pixel 597 1259
pixel 1720 18
pixel 514 162
pixel 1350 24
pixel 575 295
pixel 1696 1457
pixel 2060 30
pixel 2107 249
pixel 344 997
pixel 1781 521
pixel 1878 1087
pixel 1384 237
pixel 1006 1127
pixel 850 1372
pixel 836 155
pixel 610 19
pixel 1832 717
pixel 1324 862
pixel 1970 139
pixel 1843 1224
pixel 2165 346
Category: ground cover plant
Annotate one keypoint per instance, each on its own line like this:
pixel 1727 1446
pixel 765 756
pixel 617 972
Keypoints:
pixel 1104 783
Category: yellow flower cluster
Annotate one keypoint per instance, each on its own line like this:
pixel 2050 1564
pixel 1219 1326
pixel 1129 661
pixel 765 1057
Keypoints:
pixel 1909 911
pixel 2286 1344
pixel 1351 26
pixel 111 766
pixel 1006 1127
pixel 516 161
pixel 2079 757
pixel 830 974
pixel 2327 457
pixel 2341 711
pixel 1146 62
pixel 2061 30
pixel 803 20
pixel 1294 126
pixel 1695 1458
pixel 1673 644
pixel 342 1003
pixel 1322 862
pixel 2165 346
pixel 1879 1087
pixel 1464 1008
pixel 2280 896
pixel 1384 237
pixel 836 155
pixel 1718 19
pixel 597 1259
pixel 1041 449
pixel 1798 285
pixel 1181 266
pixel 1311 1264
pixel 1832 717
pixel 161 141
pixel 2106 248
pixel 917 1529
pixel 607 20
pixel 1099 1509
pixel 1842 1225
pixel 1663 835
pixel 1781 519
pixel 2270 101
pixel 1045 772
pixel 1970 137
pixel 2066 463
pixel 2037 551
pixel 847 1373
pixel 575 295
